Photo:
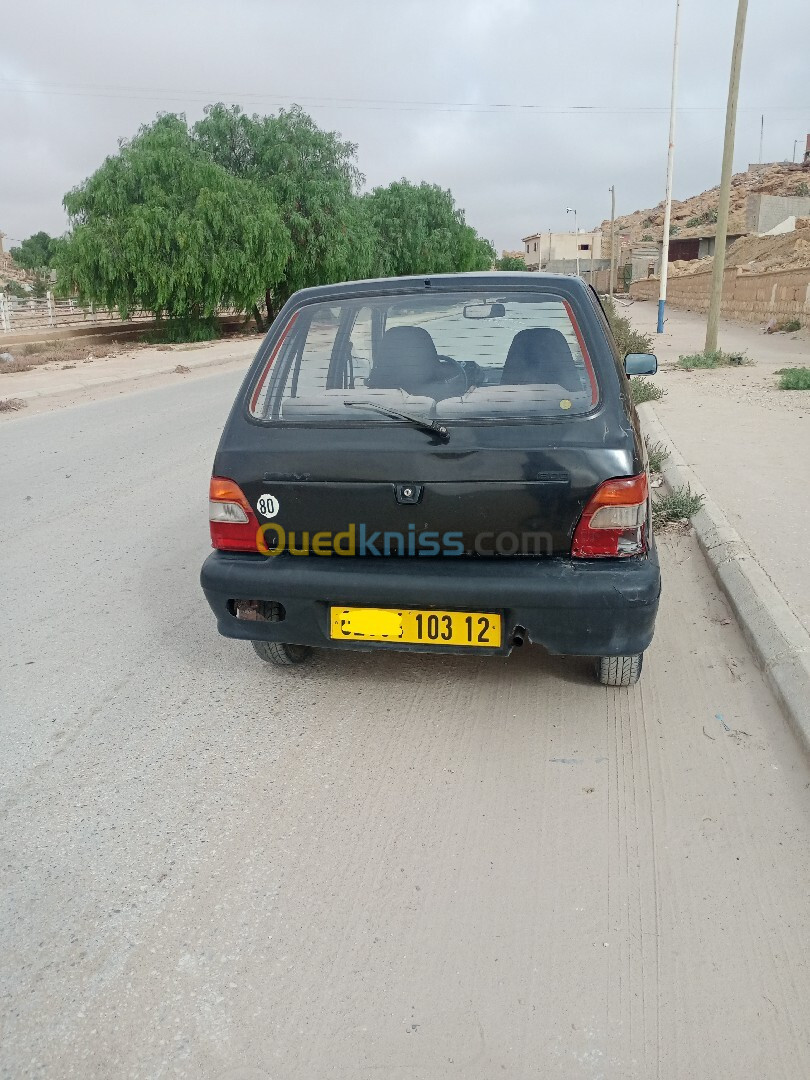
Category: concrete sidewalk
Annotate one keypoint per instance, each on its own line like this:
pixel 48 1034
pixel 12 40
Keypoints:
pixel 56 384
pixel 747 441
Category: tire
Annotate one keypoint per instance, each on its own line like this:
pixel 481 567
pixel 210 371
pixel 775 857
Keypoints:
pixel 619 670
pixel 279 652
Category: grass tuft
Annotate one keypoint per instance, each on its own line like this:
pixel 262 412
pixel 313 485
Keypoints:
pixel 797 378
pixel 713 360
pixel 12 404
pixel 642 390
pixel 657 454
pixel 677 506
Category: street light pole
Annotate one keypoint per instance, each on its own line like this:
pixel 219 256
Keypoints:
pixel 725 180
pixel 612 236
pixel 662 294
pixel 571 210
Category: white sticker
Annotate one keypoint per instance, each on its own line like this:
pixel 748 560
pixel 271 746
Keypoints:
pixel 267 506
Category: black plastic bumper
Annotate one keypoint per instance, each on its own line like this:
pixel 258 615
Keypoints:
pixel 599 608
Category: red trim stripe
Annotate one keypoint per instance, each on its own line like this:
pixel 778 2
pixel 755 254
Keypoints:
pixel 254 399
pixel 584 351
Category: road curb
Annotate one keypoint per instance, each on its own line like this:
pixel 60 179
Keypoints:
pixel 780 643
pixel 127 377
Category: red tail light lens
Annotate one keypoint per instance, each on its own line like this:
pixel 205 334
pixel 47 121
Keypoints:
pixel 233 523
pixel 614 523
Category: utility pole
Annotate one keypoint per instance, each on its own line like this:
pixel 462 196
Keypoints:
pixel 725 180
pixel 571 210
pixel 795 144
pixel 761 137
pixel 662 293
pixel 612 237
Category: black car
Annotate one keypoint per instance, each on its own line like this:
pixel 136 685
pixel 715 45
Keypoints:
pixel 437 464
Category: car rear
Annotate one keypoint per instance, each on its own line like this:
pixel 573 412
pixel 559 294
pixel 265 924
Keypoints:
pixel 448 464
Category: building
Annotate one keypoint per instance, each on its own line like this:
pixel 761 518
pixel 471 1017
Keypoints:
pixel 689 248
pixel 542 250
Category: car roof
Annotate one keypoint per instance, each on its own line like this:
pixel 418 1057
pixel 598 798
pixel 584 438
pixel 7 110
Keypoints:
pixel 493 280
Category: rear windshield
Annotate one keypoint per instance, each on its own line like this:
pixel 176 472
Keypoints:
pixel 443 356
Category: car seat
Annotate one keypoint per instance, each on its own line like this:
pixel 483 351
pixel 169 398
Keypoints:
pixel 541 356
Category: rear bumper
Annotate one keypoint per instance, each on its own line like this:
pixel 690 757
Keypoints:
pixel 599 608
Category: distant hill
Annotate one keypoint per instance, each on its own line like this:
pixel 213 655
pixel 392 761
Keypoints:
pixel 696 216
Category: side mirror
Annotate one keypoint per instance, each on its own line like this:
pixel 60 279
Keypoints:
pixel 484 311
pixel 640 363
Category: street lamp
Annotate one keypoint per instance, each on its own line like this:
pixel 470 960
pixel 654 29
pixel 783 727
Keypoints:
pixel 571 210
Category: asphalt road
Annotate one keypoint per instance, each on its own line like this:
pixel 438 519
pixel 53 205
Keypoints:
pixel 392 867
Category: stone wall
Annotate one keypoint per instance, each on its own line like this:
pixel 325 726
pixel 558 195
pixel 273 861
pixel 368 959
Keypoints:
pixel 757 298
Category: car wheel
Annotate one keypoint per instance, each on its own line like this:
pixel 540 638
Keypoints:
pixel 282 654
pixel 619 670
pixel 279 652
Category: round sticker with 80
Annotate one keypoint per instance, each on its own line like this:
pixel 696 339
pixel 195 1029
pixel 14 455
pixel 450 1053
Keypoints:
pixel 267 506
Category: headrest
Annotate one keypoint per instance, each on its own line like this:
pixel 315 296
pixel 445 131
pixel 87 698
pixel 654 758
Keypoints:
pixel 406 358
pixel 541 355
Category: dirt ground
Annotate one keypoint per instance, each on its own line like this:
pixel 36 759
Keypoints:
pixel 747 440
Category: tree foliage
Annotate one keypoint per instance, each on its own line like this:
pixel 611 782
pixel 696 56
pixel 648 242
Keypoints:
pixel 242 209
pixel 421 231
pixel 36 252
pixel 313 178
pixel 161 226
pixel 510 262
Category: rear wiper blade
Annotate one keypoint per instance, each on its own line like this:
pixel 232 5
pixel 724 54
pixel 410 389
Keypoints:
pixel 430 427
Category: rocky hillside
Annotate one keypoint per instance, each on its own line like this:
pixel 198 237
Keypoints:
pixel 9 271
pixel 759 253
pixel 697 216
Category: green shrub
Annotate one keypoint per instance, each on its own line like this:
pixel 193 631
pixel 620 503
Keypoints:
pixel 627 339
pixel 713 360
pixel 642 390
pixel 178 331
pixel 657 454
pixel 679 505
pixel 797 378
pixel 790 326
pixel 709 217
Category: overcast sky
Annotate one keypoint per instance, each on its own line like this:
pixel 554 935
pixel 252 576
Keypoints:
pixel 581 89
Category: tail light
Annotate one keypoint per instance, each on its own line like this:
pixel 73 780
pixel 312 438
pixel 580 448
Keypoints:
pixel 614 523
pixel 233 523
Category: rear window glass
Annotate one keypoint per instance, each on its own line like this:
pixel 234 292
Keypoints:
pixel 442 356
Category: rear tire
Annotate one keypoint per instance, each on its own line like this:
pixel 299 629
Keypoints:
pixel 619 670
pixel 279 652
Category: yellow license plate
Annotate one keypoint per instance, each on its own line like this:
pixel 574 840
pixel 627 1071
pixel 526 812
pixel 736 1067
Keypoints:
pixel 413 627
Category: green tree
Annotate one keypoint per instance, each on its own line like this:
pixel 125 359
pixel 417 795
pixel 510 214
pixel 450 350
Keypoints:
pixel 37 252
pixel 161 226
pixel 510 262
pixel 313 178
pixel 421 231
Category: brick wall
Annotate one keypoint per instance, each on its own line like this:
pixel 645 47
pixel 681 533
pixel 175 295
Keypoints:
pixel 777 294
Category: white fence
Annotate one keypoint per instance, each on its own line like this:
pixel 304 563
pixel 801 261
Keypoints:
pixel 31 313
